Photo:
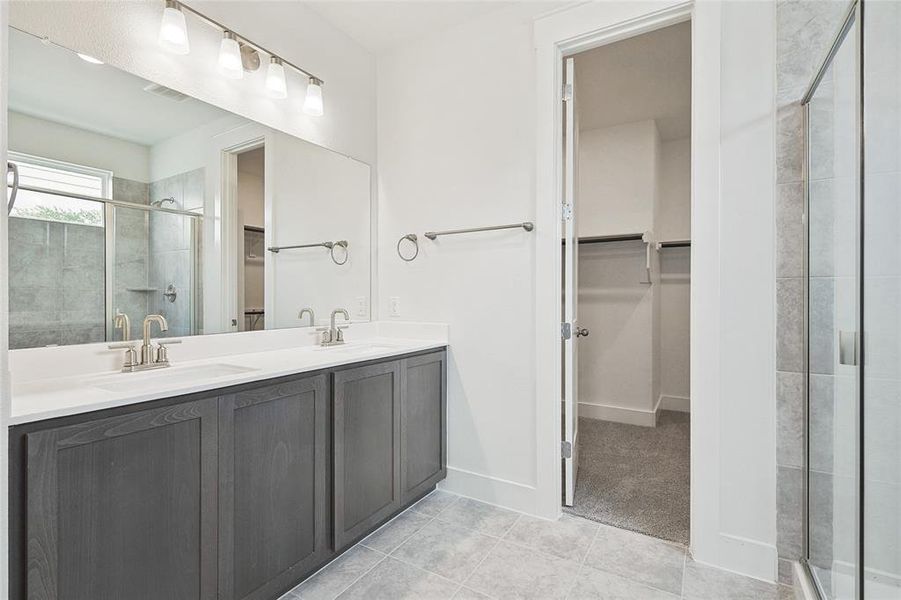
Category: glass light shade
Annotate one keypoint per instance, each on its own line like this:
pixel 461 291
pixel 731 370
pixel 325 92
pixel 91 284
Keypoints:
pixel 173 31
pixel 89 58
pixel 230 58
pixel 312 104
pixel 275 79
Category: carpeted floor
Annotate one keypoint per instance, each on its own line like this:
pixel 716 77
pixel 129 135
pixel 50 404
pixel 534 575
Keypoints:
pixel 636 477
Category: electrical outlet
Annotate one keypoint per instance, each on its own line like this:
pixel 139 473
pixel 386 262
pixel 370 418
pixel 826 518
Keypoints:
pixel 362 306
pixel 394 306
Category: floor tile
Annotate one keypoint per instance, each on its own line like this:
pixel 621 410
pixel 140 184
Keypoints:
pixel 592 584
pixel 395 532
pixel 338 575
pixel 445 549
pixel 395 580
pixel 637 557
pixel 568 537
pixel 484 518
pixel 434 503
pixel 708 583
pixel 513 572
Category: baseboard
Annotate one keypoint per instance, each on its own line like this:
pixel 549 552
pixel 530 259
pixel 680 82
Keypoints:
pixel 493 490
pixel 676 403
pixel 618 414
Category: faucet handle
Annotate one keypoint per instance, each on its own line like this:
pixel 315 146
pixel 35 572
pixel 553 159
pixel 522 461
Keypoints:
pixel 166 342
pixel 131 355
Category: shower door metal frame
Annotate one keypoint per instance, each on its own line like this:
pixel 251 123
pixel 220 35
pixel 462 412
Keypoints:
pixel 854 14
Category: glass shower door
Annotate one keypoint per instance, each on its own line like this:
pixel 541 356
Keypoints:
pixel 833 316
pixel 881 569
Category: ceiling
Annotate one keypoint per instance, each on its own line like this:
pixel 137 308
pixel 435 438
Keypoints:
pixel 379 25
pixel 640 78
pixel 52 83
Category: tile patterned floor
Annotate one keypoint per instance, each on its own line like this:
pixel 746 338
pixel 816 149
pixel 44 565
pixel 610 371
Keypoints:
pixel 449 547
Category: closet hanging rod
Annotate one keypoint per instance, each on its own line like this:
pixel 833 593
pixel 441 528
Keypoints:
pixel 674 244
pixel 527 225
pixel 621 237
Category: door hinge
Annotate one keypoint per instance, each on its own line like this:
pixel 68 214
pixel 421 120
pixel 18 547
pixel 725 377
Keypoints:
pixel 566 212
pixel 567 92
pixel 566 449
pixel 566 330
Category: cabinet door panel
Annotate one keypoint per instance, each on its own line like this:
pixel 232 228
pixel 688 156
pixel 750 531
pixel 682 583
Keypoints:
pixel 124 507
pixel 367 448
pixel 423 424
pixel 273 486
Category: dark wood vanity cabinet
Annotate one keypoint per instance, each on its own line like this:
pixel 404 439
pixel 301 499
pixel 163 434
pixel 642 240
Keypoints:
pixel 274 486
pixel 231 494
pixel 366 423
pixel 423 424
pixel 123 507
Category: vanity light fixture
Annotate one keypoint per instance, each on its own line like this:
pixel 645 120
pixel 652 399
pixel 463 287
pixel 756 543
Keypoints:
pixel 173 37
pixel 173 30
pixel 230 63
pixel 275 79
pixel 312 104
pixel 89 58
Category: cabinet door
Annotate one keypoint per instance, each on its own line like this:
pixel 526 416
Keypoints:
pixel 423 424
pixel 367 448
pixel 124 507
pixel 273 487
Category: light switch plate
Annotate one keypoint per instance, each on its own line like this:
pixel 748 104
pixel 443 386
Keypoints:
pixel 394 306
pixel 361 306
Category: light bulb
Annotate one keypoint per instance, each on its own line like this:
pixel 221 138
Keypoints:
pixel 173 31
pixel 312 104
pixel 275 79
pixel 230 57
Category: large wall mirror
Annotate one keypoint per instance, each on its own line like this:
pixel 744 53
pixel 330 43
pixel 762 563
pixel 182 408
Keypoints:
pixel 135 199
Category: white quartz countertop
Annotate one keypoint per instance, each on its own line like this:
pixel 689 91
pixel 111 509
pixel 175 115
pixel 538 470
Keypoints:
pixel 37 399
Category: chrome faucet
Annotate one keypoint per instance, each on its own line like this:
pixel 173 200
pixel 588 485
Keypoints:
pixel 121 321
pixel 152 357
pixel 334 334
pixel 309 311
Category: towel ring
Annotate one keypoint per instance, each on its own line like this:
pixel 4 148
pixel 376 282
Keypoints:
pixel 332 246
pixel 412 238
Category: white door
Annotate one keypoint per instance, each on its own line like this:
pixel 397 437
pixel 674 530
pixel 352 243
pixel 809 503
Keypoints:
pixel 571 331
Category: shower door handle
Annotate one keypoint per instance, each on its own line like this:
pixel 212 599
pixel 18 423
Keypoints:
pixel 14 187
pixel 847 348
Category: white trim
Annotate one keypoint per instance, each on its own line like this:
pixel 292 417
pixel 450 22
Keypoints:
pixel 105 175
pixel 676 403
pixel 493 490
pixel 618 414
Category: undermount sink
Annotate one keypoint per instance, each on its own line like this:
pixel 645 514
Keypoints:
pixel 170 376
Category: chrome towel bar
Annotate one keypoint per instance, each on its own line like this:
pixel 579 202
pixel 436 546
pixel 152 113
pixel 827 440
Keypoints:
pixel 527 225
pixel 330 245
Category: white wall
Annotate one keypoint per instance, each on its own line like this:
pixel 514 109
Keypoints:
pixel 732 297
pixel 617 178
pixel 674 185
pixel 618 362
pixel 4 313
pixel 456 149
pixel 674 223
pixel 47 139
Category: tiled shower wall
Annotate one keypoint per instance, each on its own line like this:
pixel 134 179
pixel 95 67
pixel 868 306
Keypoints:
pixel 805 30
pixel 172 251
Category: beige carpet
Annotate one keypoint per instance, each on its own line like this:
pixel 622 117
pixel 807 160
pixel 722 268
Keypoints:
pixel 636 477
